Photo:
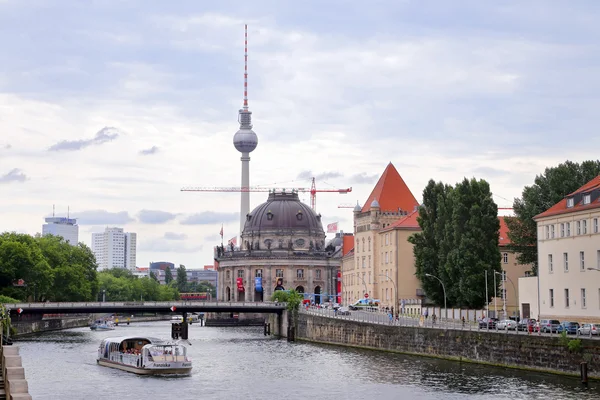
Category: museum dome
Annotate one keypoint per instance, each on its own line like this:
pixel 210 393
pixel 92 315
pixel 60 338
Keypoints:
pixel 281 220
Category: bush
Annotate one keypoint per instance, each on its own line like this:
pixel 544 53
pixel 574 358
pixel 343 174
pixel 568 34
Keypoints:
pixel 6 299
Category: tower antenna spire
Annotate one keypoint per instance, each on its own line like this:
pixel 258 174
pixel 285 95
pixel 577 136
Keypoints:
pixel 246 67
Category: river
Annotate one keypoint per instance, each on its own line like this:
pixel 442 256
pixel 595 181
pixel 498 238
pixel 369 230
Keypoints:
pixel 234 363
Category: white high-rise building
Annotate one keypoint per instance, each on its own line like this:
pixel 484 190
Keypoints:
pixel 65 227
pixel 114 248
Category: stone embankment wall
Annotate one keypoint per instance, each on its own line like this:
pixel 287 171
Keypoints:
pixel 13 374
pixel 522 351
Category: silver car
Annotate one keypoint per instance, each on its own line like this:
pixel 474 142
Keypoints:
pixel 506 324
pixel 589 329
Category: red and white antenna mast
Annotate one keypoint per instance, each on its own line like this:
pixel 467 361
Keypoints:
pixel 246 67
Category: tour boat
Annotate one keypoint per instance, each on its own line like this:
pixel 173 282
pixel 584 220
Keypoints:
pixel 144 356
pixel 100 325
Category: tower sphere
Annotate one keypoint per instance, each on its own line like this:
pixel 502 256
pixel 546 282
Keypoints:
pixel 245 140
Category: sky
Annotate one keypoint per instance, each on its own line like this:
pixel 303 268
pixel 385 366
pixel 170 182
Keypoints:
pixel 109 107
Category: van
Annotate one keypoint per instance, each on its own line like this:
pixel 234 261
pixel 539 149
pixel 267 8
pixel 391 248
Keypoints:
pixel 365 304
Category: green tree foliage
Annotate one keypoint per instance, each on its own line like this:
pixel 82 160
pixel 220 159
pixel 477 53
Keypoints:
pixel 168 276
pixel 458 242
pixel 547 190
pixel 121 285
pixel 153 276
pixel 181 278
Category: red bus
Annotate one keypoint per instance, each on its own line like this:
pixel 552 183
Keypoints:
pixel 202 296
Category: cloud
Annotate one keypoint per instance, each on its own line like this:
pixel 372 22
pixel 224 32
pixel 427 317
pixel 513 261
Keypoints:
pixel 14 175
pixel 7 146
pixel 490 172
pixel 212 238
pixel 155 216
pixel 175 236
pixel 151 150
pixel 363 177
pixel 102 217
pixel 163 245
pixel 209 217
pixel 104 135
pixel 307 175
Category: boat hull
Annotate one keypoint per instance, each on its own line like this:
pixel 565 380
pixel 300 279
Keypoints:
pixel 176 369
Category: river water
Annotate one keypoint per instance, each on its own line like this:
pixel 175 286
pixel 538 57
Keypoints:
pixel 234 363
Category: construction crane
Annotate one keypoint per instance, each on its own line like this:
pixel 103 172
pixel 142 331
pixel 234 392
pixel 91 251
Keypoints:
pixel 346 205
pixel 312 190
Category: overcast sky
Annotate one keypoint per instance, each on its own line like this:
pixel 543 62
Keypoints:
pixel 110 107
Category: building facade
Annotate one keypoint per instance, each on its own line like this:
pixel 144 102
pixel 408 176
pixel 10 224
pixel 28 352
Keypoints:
pixel 390 201
pixel 67 228
pixel 569 256
pixel 283 247
pixel 114 248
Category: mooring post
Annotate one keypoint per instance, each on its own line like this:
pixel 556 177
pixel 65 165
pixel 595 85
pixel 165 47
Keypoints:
pixel 265 328
pixel 584 372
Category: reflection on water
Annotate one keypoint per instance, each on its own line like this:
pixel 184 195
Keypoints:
pixel 241 362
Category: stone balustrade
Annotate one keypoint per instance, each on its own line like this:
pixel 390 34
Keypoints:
pixel 13 374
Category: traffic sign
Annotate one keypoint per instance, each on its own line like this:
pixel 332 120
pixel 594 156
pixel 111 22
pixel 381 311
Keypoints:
pixel 173 308
pixel 19 310
pixel 366 295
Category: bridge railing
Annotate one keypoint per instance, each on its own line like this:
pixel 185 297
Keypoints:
pixel 149 304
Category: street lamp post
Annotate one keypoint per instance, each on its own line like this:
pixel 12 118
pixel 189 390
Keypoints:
pixel 516 297
pixel 363 281
pixel 103 295
pixel 503 291
pixel 444 289
pixel 396 294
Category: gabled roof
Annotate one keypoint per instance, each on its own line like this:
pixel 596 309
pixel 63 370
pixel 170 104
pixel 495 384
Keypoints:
pixel 407 222
pixel 347 244
pixel 391 192
pixel 503 239
pixel 561 206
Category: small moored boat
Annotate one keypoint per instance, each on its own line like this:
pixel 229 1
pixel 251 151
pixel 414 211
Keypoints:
pixel 144 356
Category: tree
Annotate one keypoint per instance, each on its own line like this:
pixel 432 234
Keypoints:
pixel 547 190
pixel 153 276
pixel 458 242
pixel 168 275
pixel 181 278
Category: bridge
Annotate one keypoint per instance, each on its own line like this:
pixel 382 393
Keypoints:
pixel 162 307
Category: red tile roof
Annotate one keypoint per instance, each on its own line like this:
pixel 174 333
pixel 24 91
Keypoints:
pixel 503 240
pixel 561 206
pixel 391 192
pixel 347 244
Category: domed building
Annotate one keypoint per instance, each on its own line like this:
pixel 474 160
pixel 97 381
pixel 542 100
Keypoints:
pixel 282 247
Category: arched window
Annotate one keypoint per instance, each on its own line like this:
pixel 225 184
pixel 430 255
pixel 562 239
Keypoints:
pixel 369 244
pixel 363 244
pixel 505 258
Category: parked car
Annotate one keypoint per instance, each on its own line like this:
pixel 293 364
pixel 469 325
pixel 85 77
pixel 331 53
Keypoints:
pixel 507 324
pixel 570 327
pixel 488 323
pixel 589 329
pixel 550 325
pixel 525 323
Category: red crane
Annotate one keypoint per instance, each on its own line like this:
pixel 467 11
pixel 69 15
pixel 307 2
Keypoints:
pixel 312 190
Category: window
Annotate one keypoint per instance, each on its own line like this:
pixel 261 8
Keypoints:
pixel 570 202
pixel 582 260
pixel 300 273
pixel 568 229
pixel 240 273
pixel 566 261
pixel 583 300
pixel 551 297
pixel 598 259
pixel 369 277
pixel 587 199
pixel 562 230
pixel 386 294
pixel 547 231
pixel 566 298
pixel 363 261
pixel 369 244
pixel 363 243
pixel 505 258
pixel 550 266
pixel 584 226
pixel 369 261
pixel 258 273
pixel 386 239
pixel 595 225
pixel 386 257
pixel 227 275
pixel 318 274
pixel 579 227
pixel 551 231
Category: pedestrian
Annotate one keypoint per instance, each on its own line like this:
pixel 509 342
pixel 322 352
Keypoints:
pixel 463 321
pixel 391 317
pixel 426 313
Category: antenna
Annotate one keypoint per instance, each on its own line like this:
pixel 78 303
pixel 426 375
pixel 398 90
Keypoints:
pixel 246 67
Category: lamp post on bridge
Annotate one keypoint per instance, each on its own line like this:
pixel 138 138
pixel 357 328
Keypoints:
pixel 396 294
pixel 104 295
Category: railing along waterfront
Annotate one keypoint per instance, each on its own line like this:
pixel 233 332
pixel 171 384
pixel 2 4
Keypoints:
pixel 382 318
pixel 142 304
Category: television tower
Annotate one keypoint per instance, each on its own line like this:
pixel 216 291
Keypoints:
pixel 245 141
